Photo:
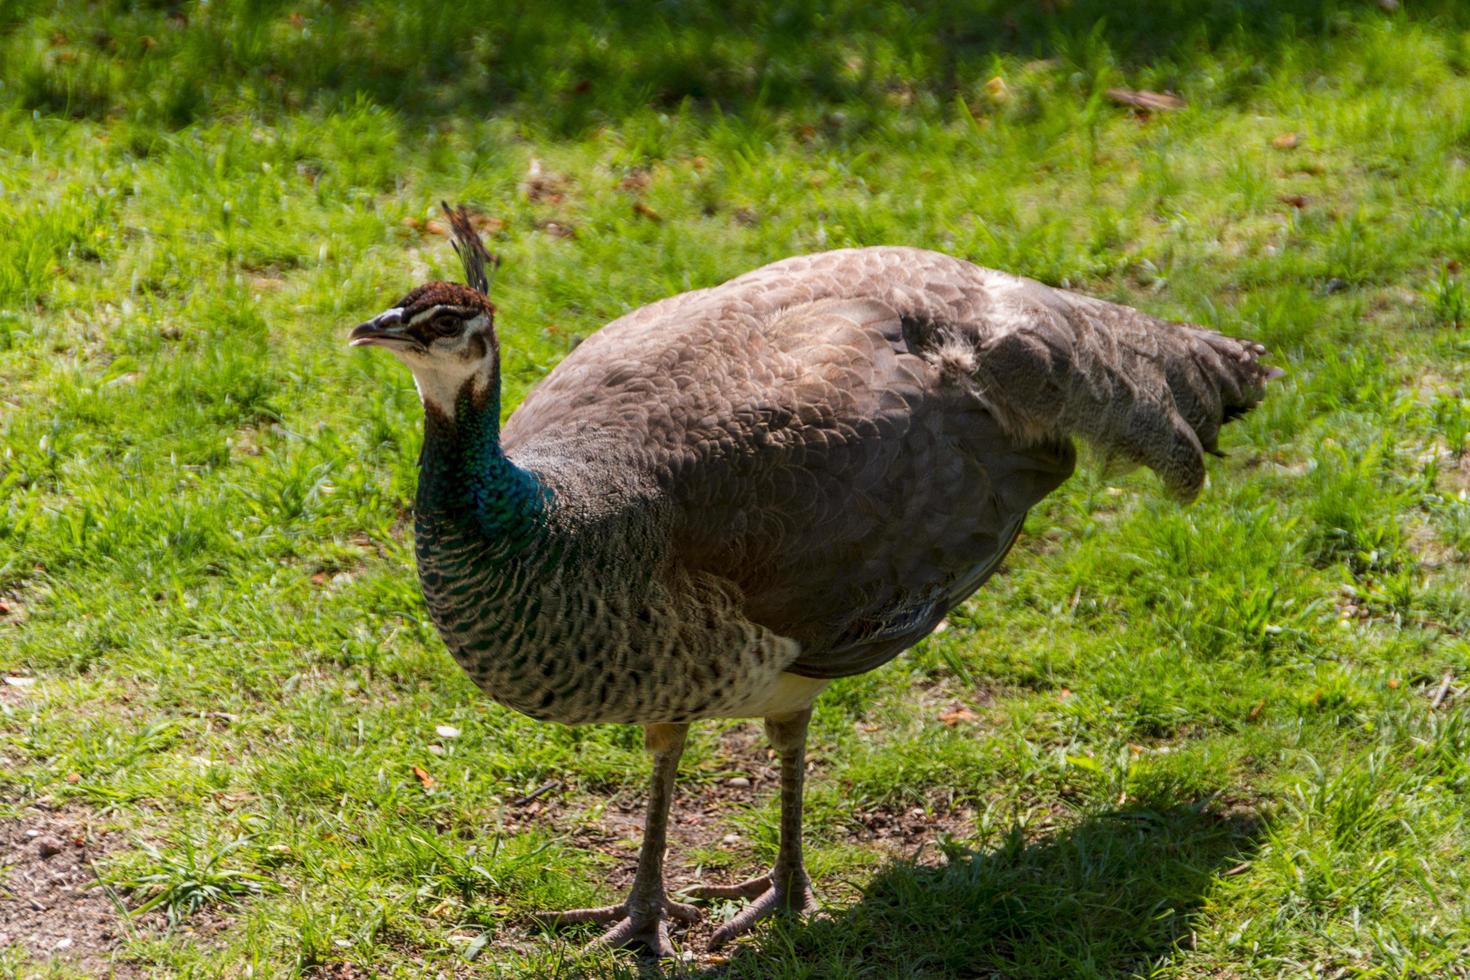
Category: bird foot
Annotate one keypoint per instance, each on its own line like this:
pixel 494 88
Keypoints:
pixel 772 893
pixel 649 929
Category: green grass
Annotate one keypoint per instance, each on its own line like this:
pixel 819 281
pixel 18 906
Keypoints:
pixel 1204 742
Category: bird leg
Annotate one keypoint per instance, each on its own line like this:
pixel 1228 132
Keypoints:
pixel 787 888
pixel 642 918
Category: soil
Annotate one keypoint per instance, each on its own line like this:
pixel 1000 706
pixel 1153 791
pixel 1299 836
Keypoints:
pixel 50 904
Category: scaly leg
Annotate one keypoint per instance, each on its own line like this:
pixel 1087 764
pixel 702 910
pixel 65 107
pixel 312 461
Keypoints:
pixel 643 917
pixel 787 888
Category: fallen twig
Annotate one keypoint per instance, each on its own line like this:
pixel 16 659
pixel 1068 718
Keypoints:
pixel 537 793
pixel 1146 101
pixel 1444 689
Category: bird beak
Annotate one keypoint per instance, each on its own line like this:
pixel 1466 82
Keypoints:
pixel 383 330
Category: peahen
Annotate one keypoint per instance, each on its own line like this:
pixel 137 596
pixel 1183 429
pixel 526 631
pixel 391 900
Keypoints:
pixel 722 501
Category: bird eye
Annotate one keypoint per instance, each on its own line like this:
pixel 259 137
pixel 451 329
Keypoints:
pixel 446 324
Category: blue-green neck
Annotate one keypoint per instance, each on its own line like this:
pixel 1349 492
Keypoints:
pixel 465 476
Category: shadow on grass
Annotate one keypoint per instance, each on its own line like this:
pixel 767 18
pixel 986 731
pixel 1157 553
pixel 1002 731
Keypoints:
pixel 573 66
pixel 1107 898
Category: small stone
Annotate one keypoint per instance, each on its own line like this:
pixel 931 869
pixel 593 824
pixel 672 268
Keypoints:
pixel 1335 285
pixel 446 731
pixel 738 782
pixel 48 847
pixel 731 839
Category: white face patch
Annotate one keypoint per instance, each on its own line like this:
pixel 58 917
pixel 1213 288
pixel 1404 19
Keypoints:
pixel 451 362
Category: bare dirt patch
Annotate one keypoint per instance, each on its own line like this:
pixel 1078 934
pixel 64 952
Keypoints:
pixel 50 903
pixel 1454 475
pixel 15 688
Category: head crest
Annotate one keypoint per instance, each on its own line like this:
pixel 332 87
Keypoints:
pixel 471 249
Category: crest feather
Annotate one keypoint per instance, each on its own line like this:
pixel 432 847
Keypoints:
pixel 471 249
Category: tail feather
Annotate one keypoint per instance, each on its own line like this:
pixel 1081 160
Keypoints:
pixel 1143 390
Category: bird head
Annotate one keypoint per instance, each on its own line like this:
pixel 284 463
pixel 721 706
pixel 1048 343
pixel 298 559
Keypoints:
pixel 443 331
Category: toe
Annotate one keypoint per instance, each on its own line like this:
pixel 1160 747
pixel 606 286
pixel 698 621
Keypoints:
pixel 753 888
pixel 606 913
pixel 680 911
pixel 798 899
pixel 744 920
pixel 651 935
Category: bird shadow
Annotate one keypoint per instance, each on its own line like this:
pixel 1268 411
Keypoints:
pixel 1107 897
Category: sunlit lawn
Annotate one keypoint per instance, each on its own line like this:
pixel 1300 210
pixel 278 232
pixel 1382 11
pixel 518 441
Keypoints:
pixel 1214 741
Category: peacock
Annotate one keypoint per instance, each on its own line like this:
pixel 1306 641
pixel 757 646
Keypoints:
pixel 722 501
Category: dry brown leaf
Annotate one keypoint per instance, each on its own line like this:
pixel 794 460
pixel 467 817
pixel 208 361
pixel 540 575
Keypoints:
pixel 1287 141
pixel 485 224
pixel 541 186
pixel 635 181
pixel 1297 201
pixel 644 210
pixel 557 229
pixel 423 776
pixel 482 223
pixel 957 715
pixel 1146 101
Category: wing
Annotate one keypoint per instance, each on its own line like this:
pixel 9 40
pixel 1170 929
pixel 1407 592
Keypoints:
pixel 856 494
pixel 855 437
